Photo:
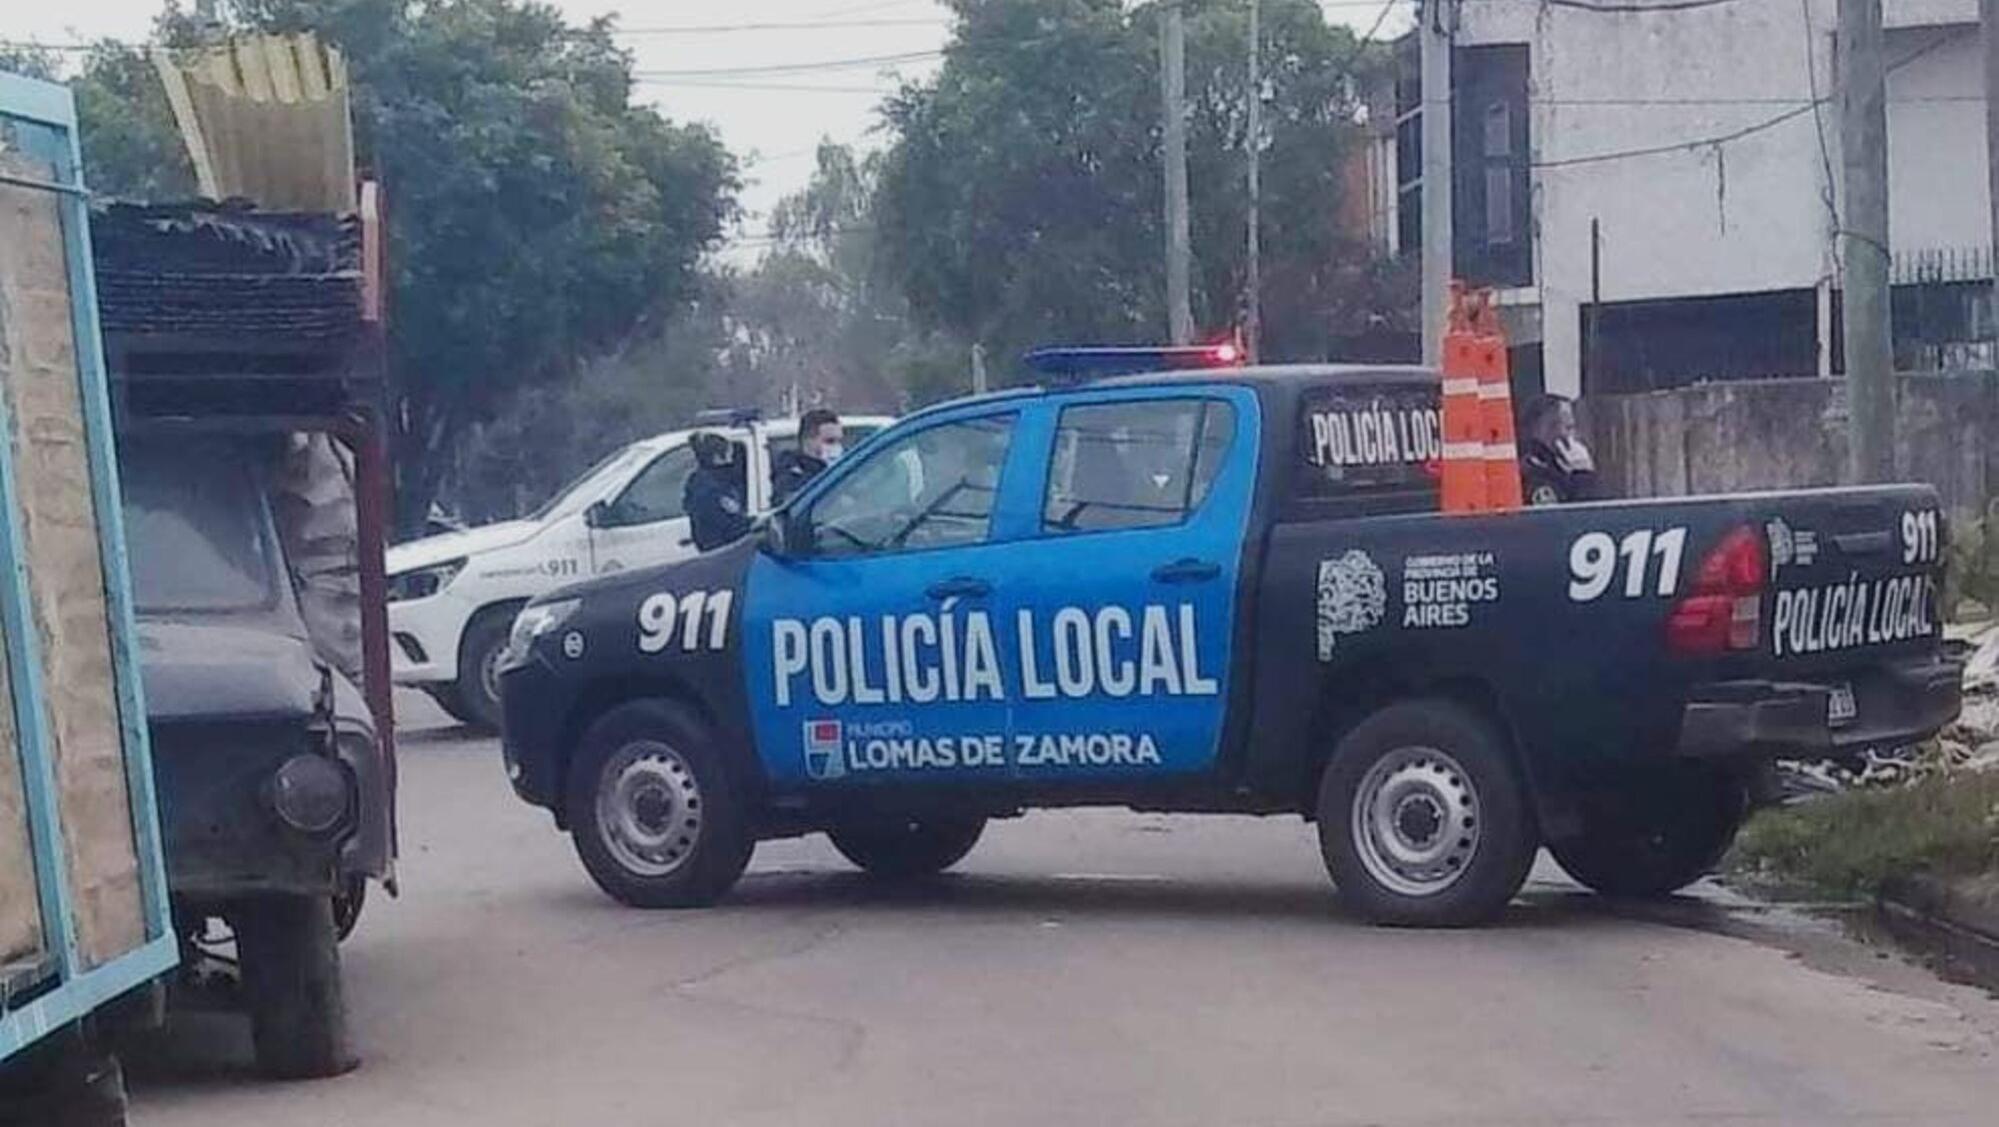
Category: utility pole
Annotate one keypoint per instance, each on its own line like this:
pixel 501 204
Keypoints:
pixel 1437 25
pixel 1173 92
pixel 1988 19
pixel 1863 136
pixel 1253 306
pixel 979 385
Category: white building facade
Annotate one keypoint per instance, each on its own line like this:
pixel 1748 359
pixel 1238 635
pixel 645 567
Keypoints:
pixel 1656 194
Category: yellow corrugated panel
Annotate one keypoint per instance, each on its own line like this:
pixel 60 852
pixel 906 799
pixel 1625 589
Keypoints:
pixel 265 118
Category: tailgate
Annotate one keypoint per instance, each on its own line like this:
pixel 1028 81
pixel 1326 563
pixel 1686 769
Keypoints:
pixel 1856 575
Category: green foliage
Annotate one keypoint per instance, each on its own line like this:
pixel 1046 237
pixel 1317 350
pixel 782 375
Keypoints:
pixel 1848 843
pixel 549 433
pixel 817 318
pixel 1020 198
pixel 131 148
pixel 537 216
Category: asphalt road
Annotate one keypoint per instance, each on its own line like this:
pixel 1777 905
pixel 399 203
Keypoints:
pixel 1083 968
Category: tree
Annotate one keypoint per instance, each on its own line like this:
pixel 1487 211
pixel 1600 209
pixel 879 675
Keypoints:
pixel 816 321
pixel 549 433
pixel 131 149
pixel 537 216
pixel 1020 196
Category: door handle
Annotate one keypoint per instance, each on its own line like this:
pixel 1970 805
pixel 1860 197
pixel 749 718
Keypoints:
pixel 1188 570
pixel 959 587
pixel 1863 543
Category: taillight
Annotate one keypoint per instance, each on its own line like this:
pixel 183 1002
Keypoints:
pixel 1723 610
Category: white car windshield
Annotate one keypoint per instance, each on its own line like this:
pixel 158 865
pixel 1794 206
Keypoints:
pixel 577 493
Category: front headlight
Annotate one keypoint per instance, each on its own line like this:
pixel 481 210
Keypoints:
pixel 423 582
pixel 534 621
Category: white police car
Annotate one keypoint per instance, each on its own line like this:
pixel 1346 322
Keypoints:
pixel 453 597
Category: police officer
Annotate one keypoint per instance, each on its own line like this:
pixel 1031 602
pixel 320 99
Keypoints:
pixel 1555 466
pixel 716 499
pixel 819 442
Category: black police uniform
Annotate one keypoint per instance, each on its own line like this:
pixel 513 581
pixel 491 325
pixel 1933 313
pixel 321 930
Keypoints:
pixel 716 510
pixel 791 470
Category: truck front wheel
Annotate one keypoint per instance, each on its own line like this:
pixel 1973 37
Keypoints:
pixel 652 810
pixel 290 957
pixel 908 848
pixel 1654 838
pixel 477 690
pixel 1422 818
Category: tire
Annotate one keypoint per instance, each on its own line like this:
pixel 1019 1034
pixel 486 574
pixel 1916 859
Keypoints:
pixel 1395 784
pixel 68 1079
pixel 347 905
pixel 291 978
pixel 447 698
pixel 909 848
pixel 1652 839
pixel 654 815
pixel 478 686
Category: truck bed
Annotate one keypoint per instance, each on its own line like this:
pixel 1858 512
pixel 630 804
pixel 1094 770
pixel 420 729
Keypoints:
pixel 1560 617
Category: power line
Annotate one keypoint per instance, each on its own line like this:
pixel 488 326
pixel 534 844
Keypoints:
pixel 1736 134
pixel 761 87
pixel 792 25
pixel 795 68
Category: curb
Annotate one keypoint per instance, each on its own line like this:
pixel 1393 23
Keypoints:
pixel 1956 920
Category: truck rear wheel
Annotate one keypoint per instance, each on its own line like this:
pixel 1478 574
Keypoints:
pixel 907 848
pixel 1422 818
pixel 655 817
pixel 1655 838
pixel 290 957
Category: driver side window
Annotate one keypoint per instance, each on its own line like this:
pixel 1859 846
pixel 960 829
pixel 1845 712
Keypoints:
pixel 931 489
pixel 657 493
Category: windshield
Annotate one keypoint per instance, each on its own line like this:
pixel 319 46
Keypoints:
pixel 195 532
pixel 590 482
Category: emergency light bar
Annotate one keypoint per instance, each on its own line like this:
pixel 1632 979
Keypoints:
pixel 1118 360
pixel 728 416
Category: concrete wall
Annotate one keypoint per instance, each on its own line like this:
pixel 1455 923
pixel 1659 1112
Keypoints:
pixel 1769 434
pixel 1748 214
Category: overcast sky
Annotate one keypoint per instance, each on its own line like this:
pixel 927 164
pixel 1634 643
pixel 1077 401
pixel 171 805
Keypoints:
pixel 736 79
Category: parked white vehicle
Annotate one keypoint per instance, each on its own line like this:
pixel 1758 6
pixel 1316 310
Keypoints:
pixel 452 598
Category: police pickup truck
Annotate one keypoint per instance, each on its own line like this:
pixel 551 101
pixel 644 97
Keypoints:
pixel 1224 592
pixel 452 597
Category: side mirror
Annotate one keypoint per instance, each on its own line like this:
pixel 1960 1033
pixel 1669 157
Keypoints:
pixel 775 536
pixel 597 515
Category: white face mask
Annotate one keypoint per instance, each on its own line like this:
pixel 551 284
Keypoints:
pixel 831 452
pixel 1574 455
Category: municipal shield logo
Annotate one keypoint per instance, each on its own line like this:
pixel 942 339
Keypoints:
pixel 824 754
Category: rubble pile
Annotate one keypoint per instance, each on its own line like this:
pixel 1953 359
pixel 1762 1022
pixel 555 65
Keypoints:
pixel 1970 744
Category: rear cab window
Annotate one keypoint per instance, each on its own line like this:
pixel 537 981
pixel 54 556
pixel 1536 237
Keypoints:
pixel 1367 439
pixel 1143 463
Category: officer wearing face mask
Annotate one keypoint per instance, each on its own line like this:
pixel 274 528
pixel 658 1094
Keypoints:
pixel 1555 466
pixel 819 435
pixel 716 501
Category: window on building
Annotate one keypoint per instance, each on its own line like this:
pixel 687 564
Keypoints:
pixel 1492 217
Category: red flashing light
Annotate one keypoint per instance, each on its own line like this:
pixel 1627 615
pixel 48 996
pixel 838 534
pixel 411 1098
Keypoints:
pixel 1226 353
pixel 1724 611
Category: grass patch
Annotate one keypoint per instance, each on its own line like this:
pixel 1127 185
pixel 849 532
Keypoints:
pixel 1846 844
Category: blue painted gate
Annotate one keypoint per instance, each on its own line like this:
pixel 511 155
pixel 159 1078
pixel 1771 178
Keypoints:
pixel 83 895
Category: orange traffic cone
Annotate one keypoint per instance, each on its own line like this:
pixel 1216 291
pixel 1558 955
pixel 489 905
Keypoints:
pixel 1495 399
pixel 1464 419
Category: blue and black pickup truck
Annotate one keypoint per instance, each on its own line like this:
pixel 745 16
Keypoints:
pixel 1230 592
